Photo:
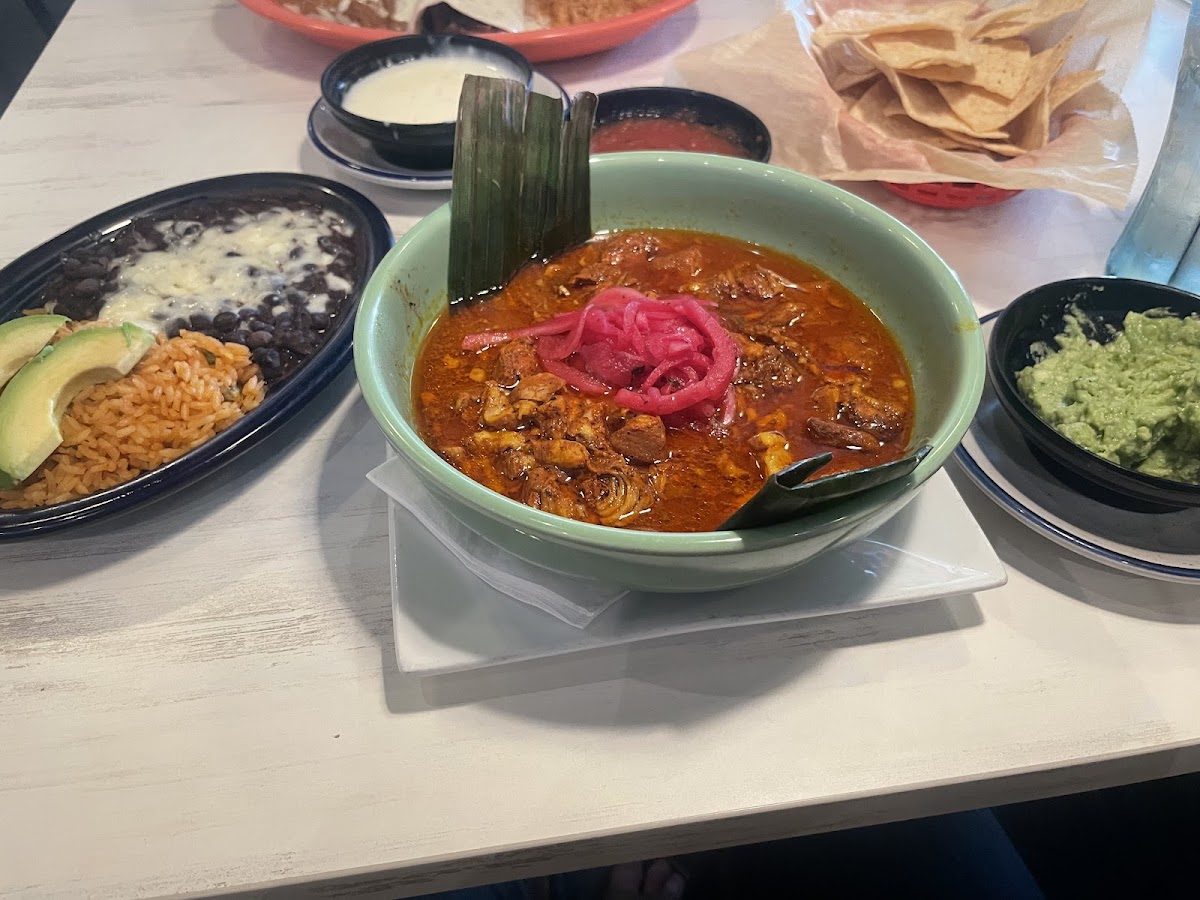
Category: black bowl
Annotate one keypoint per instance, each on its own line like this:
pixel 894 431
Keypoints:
pixel 732 120
pixel 416 146
pixel 1037 317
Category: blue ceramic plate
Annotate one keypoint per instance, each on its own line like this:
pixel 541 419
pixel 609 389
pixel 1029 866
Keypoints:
pixel 21 283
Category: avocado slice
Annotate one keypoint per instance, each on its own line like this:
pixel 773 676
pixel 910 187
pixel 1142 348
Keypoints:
pixel 33 403
pixel 22 339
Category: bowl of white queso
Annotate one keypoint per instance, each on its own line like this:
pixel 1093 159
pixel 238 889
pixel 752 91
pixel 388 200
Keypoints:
pixel 402 93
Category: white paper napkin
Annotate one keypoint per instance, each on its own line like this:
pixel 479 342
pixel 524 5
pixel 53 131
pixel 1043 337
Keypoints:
pixel 576 601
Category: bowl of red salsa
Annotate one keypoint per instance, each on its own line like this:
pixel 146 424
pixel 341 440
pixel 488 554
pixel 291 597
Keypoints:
pixel 666 118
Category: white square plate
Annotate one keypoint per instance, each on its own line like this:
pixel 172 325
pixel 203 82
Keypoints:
pixel 447 620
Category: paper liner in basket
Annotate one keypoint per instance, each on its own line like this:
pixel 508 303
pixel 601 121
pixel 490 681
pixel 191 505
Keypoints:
pixel 773 71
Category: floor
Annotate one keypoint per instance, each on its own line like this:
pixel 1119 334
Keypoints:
pixel 25 26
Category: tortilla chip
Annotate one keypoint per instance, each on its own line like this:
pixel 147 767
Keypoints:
pixel 1000 148
pixel 1031 129
pixel 918 49
pixel 894 107
pixel 850 23
pixel 984 111
pixel 1021 18
pixel 1001 68
pixel 1071 84
pixel 870 110
pixel 925 104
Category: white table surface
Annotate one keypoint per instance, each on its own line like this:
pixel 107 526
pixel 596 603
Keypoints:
pixel 204 699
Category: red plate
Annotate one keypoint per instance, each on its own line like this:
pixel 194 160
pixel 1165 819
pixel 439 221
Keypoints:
pixel 537 46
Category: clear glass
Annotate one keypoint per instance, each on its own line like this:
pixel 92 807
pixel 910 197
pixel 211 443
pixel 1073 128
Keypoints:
pixel 1159 242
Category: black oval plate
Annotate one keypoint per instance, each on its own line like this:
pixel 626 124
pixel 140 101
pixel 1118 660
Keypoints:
pixel 22 280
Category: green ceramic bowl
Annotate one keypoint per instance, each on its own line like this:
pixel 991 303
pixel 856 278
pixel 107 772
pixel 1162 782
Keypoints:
pixel 884 263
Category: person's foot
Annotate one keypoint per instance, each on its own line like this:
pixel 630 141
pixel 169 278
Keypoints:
pixel 636 881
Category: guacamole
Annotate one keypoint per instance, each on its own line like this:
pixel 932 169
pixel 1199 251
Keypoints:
pixel 1134 401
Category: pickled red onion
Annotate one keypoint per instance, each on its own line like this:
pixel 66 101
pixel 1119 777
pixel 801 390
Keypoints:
pixel 663 356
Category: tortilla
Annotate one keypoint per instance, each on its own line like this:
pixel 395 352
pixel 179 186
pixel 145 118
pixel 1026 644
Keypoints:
pixel 1021 18
pixel 918 49
pixel 985 111
pixel 1028 131
pixel 1000 67
pixel 850 23
pixel 954 79
pixel 871 109
pixel 925 104
pixel 1071 84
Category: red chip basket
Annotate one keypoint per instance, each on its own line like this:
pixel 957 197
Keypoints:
pixel 951 194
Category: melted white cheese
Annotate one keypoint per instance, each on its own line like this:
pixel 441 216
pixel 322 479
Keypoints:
pixel 224 267
pixel 420 92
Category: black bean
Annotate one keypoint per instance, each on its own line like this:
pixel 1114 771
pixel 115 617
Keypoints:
pixel 253 271
pixel 258 339
pixel 89 287
pixel 328 244
pixel 320 320
pixel 246 313
pixel 313 284
pixel 200 322
pixel 272 300
pixel 264 314
pixel 71 266
pixel 174 327
pixel 297 341
pixel 234 337
pixel 232 253
pixel 284 320
pixel 260 325
pixel 303 319
pixel 295 298
pixel 337 296
pixel 93 269
pixel 295 253
pixel 225 321
pixel 267 357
